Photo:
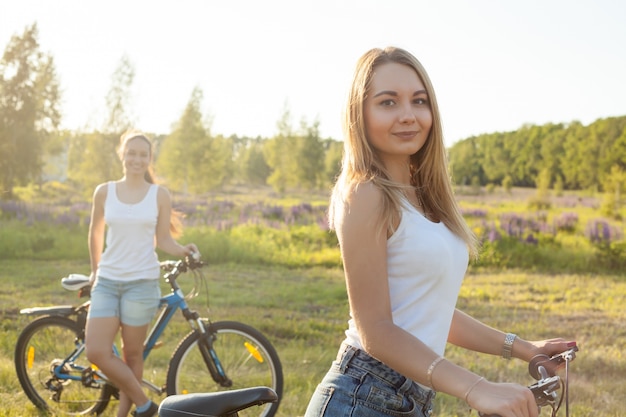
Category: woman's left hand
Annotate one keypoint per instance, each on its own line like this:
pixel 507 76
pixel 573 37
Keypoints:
pixel 190 249
pixel 551 347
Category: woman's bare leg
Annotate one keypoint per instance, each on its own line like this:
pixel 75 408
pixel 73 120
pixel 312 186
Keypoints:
pixel 99 337
pixel 133 338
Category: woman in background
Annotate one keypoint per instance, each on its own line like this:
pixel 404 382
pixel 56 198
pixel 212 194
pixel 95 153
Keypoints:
pixel 125 275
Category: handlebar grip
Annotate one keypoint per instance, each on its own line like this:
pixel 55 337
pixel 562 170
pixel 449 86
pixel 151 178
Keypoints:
pixel 539 362
pixel 549 364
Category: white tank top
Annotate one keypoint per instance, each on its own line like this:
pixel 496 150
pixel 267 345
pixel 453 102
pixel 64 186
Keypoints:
pixel 426 264
pixel 130 237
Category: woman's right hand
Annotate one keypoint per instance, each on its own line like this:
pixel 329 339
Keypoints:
pixel 502 399
pixel 92 278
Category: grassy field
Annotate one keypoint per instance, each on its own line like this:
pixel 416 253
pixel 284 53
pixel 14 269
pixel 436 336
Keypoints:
pixel 304 313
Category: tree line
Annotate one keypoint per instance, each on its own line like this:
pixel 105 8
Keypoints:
pixel 558 156
pixel 192 159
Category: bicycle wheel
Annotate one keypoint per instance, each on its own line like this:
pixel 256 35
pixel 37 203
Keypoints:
pixel 246 356
pixel 42 347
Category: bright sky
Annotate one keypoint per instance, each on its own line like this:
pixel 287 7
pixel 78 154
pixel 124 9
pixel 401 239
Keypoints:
pixel 495 65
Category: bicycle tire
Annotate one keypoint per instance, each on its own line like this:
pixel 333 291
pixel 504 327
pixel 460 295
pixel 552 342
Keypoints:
pixel 47 341
pixel 248 358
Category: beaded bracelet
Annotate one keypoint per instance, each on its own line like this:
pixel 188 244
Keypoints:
pixel 429 372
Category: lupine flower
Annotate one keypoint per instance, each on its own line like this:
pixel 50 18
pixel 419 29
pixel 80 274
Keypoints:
pixel 478 213
pixel 531 239
pixel 566 222
pixel 600 231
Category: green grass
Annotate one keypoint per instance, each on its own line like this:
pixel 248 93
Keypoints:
pixel 304 312
pixel 287 282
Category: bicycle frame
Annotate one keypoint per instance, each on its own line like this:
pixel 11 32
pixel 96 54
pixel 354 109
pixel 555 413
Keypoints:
pixel 168 306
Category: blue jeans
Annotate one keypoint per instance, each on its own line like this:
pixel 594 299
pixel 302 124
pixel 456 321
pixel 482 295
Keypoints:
pixel 357 385
pixel 134 302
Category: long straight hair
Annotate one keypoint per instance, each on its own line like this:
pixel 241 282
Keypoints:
pixel 429 166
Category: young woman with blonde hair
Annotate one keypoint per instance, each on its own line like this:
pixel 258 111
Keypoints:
pixel 405 249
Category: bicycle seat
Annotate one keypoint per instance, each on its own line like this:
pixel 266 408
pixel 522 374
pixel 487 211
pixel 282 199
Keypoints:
pixel 75 282
pixel 215 404
pixel 53 311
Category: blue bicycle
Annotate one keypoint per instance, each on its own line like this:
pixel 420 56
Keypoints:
pixel 56 376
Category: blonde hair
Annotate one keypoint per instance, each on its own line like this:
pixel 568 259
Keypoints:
pixel 176 226
pixel 429 166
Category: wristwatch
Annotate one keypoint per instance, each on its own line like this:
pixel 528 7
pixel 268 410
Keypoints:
pixel 508 345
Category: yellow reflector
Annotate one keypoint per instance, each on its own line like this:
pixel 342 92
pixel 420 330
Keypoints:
pixel 30 358
pixel 95 369
pixel 254 352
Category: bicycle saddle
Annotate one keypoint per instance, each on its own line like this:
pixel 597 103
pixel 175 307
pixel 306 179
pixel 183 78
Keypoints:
pixel 75 282
pixel 215 404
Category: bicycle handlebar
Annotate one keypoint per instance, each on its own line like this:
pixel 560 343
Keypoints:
pixel 81 283
pixel 543 369
pixel 174 268
pixel 189 262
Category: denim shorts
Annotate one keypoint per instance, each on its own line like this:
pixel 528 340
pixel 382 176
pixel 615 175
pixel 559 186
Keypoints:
pixel 134 302
pixel 359 385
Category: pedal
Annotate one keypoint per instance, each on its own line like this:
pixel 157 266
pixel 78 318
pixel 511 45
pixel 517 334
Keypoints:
pixel 90 378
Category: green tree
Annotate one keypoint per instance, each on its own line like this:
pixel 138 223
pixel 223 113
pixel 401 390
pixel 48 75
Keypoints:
pixel 572 158
pixel 614 190
pixel 310 156
pixel 97 159
pixel 29 109
pixel 496 158
pixel 55 149
pixel 216 165
pixel 507 184
pixel 465 161
pixel 119 98
pixel 332 160
pixel 191 159
pixel 182 145
pixel 551 148
pixel 92 160
pixel 280 154
pixel 612 146
pixel 252 165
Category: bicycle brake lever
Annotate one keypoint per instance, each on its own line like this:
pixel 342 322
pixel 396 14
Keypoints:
pixel 545 390
pixel 193 260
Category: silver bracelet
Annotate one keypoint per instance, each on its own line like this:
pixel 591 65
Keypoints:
pixel 429 372
pixel 507 348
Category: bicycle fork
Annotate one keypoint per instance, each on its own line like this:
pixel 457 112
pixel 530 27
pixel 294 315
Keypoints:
pixel 205 344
